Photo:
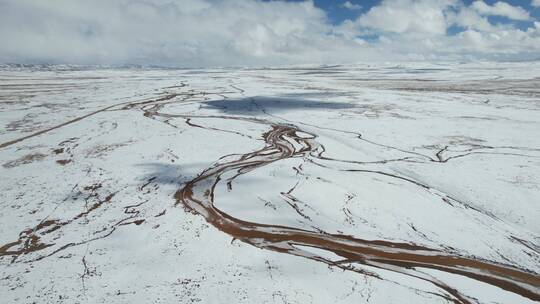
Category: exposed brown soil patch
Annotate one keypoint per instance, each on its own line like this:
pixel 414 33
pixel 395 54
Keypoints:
pixel 63 162
pixel 25 160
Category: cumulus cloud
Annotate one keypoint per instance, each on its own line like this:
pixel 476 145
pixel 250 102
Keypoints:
pixel 352 6
pixel 502 9
pixel 408 16
pixel 199 33
pixel 166 32
pixel 469 18
pixel 535 3
pixel 420 29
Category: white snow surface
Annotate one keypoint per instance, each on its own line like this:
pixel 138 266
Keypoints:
pixel 469 132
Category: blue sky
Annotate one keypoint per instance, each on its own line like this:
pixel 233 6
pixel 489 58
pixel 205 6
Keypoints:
pixel 337 13
pixel 204 33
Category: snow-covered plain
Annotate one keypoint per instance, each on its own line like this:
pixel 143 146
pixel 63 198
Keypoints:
pixel 411 183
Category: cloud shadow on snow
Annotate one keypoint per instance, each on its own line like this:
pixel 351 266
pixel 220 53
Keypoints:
pixel 256 105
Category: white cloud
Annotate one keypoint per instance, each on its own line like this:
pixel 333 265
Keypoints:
pixel 408 16
pixel 420 29
pixel 469 18
pixel 535 3
pixel 501 9
pixel 251 32
pixel 352 6
pixel 181 32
